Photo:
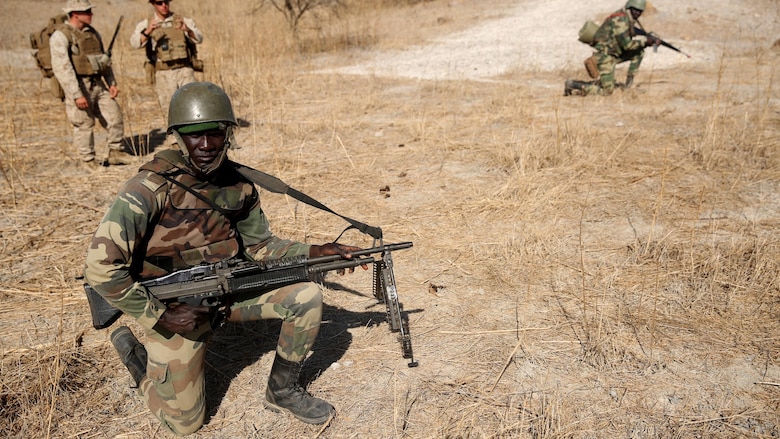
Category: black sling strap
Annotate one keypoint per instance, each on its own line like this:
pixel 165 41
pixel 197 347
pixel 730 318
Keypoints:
pixel 277 186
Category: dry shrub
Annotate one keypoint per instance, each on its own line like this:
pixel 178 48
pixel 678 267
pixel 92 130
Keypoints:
pixel 48 384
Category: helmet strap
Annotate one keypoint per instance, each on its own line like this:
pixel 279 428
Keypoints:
pixel 216 164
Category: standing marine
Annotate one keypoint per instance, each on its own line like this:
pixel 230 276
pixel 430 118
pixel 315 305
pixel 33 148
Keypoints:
pixel 615 42
pixel 84 71
pixel 171 54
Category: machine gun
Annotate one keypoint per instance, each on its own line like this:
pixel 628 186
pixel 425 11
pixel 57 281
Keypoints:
pixel 213 284
pixel 658 41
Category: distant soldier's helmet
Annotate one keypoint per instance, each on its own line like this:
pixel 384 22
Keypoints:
pixel 77 6
pixel 199 106
pixel 639 5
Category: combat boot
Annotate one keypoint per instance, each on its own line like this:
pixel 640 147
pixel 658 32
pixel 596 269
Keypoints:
pixel 284 392
pixel 572 85
pixel 119 157
pixel 92 165
pixel 131 352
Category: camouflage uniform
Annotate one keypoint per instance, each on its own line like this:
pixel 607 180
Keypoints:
pixel 155 227
pixel 614 44
pixel 167 78
pixel 91 86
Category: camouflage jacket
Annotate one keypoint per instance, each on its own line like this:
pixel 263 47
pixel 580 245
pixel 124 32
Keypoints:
pixel 156 226
pixel 616 35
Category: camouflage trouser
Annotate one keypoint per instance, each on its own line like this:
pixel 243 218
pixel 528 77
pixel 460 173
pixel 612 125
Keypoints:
pixel 102 108
pixel 606 64
pixel 166 82
pixel 174 386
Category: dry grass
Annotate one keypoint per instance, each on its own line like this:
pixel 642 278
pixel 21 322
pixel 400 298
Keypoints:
pixel 602 267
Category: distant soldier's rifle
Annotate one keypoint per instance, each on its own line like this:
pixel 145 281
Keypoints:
pixel 657 41
pixel 116 32
pixel 213 284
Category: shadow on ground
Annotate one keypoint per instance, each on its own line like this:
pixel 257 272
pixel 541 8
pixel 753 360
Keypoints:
pixel 238 345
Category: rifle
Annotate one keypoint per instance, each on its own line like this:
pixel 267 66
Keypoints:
pixel 659 41
pixel 213 284
pixel 116 32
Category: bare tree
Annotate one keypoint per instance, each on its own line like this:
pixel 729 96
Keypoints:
pixel 294 10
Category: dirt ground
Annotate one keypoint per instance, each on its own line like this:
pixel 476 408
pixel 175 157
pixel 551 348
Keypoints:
pixel 593 267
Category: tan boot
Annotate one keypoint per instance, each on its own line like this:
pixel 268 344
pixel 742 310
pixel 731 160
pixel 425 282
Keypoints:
pixel 92 165
pixel 116 157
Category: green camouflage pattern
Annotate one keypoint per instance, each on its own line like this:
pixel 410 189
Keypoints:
pixel 154 227
pixel 299 306
pixel 615 44
pixel 173 387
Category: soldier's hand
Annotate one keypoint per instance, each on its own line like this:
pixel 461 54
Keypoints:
pixel 152 26
pixel 335 249
pixel 652 40
pixel 182 318
pixel 82 103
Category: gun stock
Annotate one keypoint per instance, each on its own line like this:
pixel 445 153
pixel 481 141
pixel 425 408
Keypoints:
pixel 103 314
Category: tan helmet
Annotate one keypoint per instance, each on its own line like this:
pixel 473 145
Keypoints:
pixel 639 5
pixel 199 104
pixel 77 6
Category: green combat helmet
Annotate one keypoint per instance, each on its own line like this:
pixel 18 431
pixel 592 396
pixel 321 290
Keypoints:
pixel 639 5
pixel 199 103
pixel 201 106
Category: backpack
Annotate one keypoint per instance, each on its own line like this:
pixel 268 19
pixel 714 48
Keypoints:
pixel 39 42
pixel 587 32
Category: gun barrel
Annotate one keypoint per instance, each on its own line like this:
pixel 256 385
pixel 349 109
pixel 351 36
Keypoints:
pixel 640 31
pixel 340 265
pixel 363 252
pixel 116 32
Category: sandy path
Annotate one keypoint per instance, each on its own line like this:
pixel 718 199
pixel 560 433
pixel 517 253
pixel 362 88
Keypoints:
pixel 541 35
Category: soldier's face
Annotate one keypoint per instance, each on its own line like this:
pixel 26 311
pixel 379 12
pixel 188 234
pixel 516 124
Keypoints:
pixel 204 147
pixel 636 13
pixel 163 7
pixel 84 17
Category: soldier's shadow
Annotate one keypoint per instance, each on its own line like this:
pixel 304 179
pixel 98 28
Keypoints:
pixel 238 345
pixel 143 144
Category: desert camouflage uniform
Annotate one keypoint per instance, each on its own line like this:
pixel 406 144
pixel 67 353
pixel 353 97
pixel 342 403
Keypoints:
pixel 615 44
pixel 92 87
pixel 155 227
pixel 168 80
